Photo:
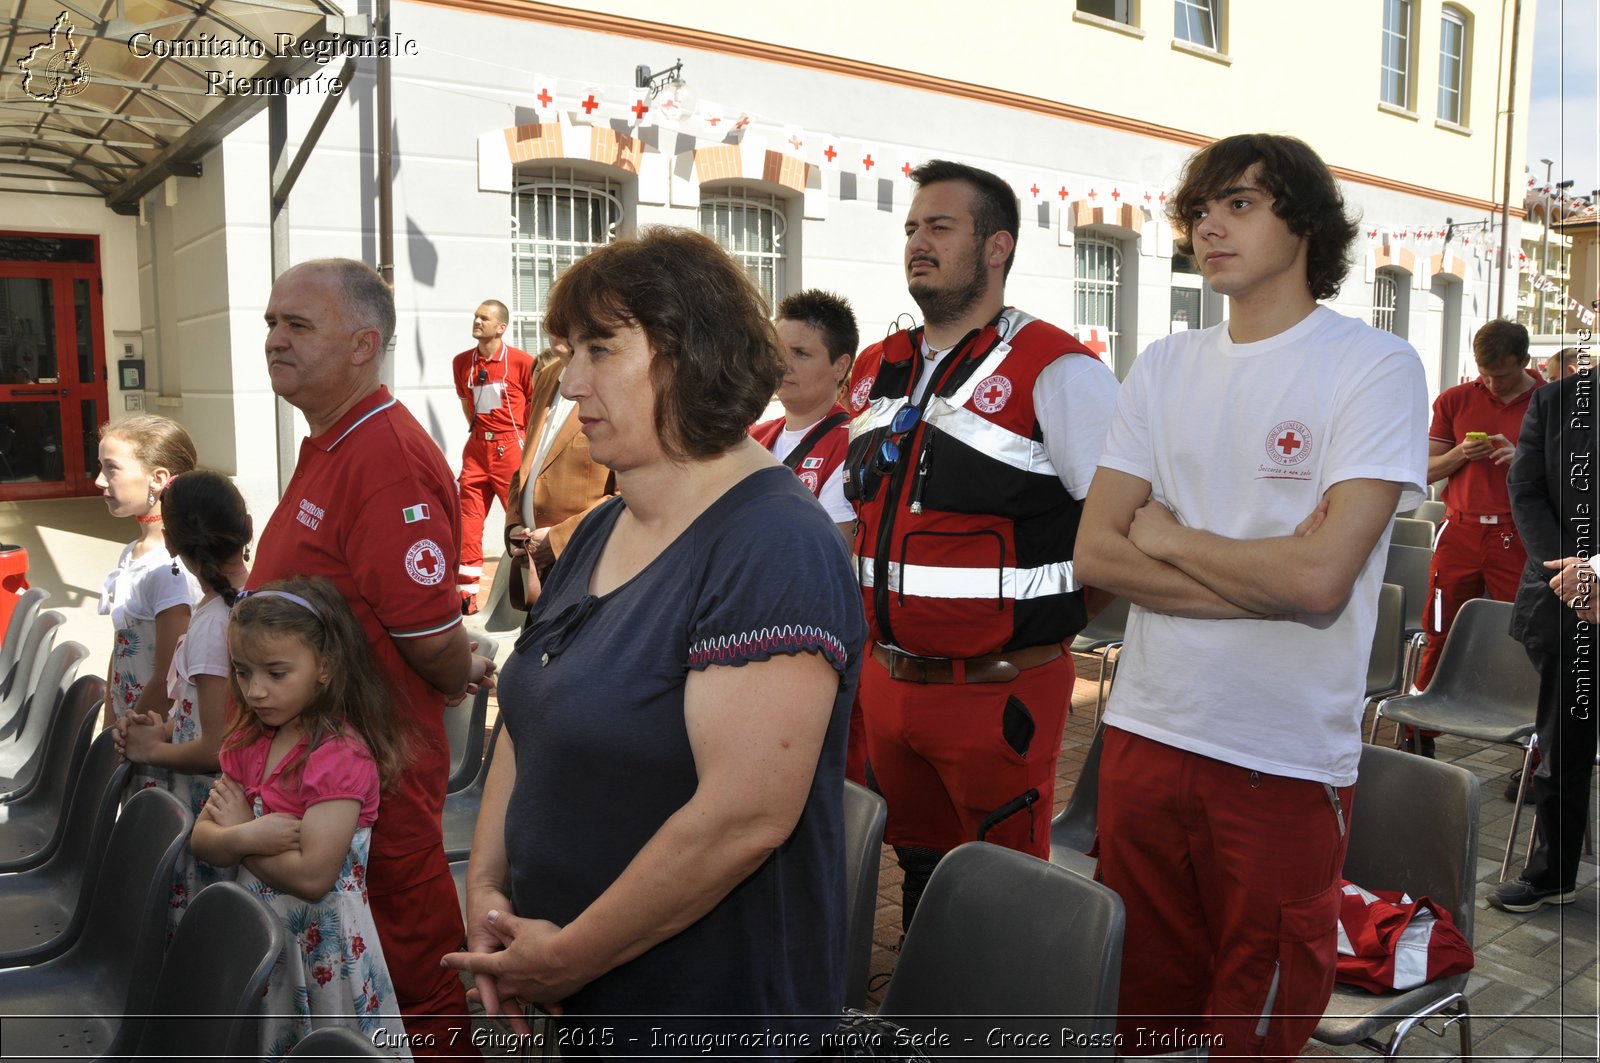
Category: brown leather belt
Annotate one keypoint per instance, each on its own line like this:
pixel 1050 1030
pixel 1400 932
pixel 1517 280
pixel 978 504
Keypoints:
pixel 991 668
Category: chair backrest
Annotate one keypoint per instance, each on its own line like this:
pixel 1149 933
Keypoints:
pixel 91 813
pixel 1386 662
pixel 482 777
pixel 1075 826
pixel 30 658
pixel 63 761
pixel 1415 828
pixel 336 1042
pixel 21 757
pixel 463 728
pixel 864 816
pixel 1431 511
pixel 22 618
pixel 1410 532
pixel 1482 663
pixel 208 998
pixel 1407 568
pixel 126 929
pixel 1005 940
pixel 1110 625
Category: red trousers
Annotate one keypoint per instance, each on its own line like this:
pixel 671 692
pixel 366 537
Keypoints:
pixel 1230 880
pixel 944 764
pixel 418 916
pixel 1470 560
pixel 486 470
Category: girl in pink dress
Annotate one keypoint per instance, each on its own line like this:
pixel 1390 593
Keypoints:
pixel 303 761
pixel 208 530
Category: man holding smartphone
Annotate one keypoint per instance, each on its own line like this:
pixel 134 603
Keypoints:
pixel 1478 553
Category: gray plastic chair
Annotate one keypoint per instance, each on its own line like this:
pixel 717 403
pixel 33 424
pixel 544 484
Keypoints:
pixel 46 905
pixel 208 998
pixel 1005 940
pixel 1431 511
pixel 1410 532
pixel 98 988
pixel 864 816
pixel 1407 567
pixel 23 615
pixel 498 622
pixel 36 646
pixel 1106 632
pixel 336 1042
pixel 1485 688
pixel 1386 662
pixel 33 825
pixel 1072 831
pixel 22 757
pixel 1414 828
pixel 463 728
pixel 460 817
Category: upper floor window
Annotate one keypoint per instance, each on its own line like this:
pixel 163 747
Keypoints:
pixel 1114 10
pixel 1195 21
pixel 1452 66
pixel 556 222
pixel 751 228
pixel 1396 89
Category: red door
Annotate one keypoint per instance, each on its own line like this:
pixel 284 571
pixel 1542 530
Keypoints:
pixel 52 365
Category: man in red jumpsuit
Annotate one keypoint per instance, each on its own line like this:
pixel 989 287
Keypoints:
pixel 493 381
pixel 973 443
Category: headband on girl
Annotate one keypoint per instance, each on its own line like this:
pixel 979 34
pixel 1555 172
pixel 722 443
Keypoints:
pixel 295 598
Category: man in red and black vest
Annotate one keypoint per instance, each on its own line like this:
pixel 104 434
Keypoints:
pixel 974 441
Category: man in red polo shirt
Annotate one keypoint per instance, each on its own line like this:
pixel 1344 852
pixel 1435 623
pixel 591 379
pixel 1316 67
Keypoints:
pixel 493 381
pixel 1474 434
pixel 372 507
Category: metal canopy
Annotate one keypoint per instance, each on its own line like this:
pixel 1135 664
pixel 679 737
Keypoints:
pixel 108 98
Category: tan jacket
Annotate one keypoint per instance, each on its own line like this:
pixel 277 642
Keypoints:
pixel 568 485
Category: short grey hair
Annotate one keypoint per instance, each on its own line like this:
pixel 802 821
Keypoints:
pixel 368 299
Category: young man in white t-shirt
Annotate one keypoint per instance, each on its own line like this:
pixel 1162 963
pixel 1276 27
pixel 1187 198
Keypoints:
pixel 1243 505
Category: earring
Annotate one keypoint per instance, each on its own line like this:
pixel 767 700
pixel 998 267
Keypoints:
pixel 175 571
pixel 247 553
pixel 150 499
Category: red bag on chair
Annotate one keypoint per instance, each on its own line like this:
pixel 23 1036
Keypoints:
pixel 1388 941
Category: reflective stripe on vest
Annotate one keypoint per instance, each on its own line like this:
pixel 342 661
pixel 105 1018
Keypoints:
pixel 931 581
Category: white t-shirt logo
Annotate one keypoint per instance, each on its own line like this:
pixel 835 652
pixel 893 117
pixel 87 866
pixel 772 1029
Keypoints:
pixel 1289 443
pixel 991 394
pixel 425 562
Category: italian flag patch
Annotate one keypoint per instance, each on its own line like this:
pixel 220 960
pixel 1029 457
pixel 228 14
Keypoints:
pixel 412 514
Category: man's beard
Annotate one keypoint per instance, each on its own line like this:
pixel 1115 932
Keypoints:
pixel 945 306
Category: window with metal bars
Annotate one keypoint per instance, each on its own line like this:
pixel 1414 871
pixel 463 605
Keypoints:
pixel 1095 289
pixel 1385 301
pixel 556 221
pixel 751 227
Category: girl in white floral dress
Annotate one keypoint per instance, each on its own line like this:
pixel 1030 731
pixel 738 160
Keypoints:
pixel 303 761
pixel 208 530
pixel 148 597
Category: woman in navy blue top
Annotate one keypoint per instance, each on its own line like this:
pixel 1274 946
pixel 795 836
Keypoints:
pixel 660 852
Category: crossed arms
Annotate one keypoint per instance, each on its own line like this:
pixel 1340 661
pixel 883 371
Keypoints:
pixel 1132 546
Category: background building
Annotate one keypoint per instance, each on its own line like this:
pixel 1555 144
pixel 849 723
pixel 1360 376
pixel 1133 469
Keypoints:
pixel 519 141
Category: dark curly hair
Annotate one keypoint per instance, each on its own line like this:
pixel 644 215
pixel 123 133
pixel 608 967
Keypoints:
pixel 1303 190
pixel 716 359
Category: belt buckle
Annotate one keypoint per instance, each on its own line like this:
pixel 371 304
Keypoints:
pixel 488 437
